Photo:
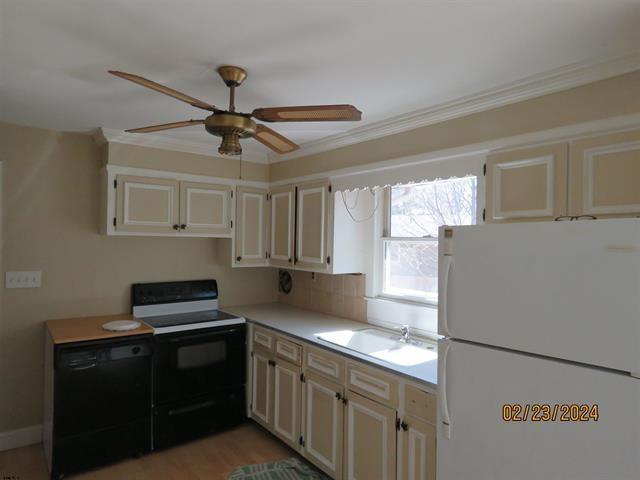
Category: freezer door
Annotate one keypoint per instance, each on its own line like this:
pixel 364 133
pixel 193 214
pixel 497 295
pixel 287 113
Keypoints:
pixel 478 443
pixel 563 289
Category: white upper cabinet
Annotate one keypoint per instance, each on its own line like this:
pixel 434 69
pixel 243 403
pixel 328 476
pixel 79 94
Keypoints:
pixel 252 224
pixel 605 171
pixel 147 205
pixel 282 222
pixel 312 229
pixel 527 184
pixel 164 206
pixel 312 222
pixel 205 208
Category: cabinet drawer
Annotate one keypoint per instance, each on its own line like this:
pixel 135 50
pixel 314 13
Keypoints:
pixel 373 384
pixel 325 364
pixel 420 404
pixel 288 350
pixel 263 339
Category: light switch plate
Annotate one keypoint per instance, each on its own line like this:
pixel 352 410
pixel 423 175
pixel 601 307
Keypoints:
pixel 23 279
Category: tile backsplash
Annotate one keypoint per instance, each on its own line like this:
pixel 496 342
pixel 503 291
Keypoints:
pixel 339 295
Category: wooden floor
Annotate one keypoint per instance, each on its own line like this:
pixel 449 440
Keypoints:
pixel 211 458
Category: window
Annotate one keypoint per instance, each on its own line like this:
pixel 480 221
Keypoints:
pixel 410 244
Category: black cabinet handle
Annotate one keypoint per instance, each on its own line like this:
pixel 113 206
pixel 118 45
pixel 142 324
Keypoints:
pixel 183 226
pixel 290 259
pixel 338 395
pixel 176 227
pixel 238 258
pixel 404 426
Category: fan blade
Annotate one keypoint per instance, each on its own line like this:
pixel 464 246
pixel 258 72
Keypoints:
pixel 311 113
pixel 162 89
pixel 273 140
pixel 165 126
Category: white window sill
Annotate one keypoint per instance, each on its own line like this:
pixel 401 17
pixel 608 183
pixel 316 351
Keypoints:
pixel 390 313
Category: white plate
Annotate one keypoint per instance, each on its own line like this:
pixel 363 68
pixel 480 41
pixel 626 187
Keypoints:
pixel 121 325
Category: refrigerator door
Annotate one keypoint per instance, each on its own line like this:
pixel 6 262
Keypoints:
pixel 563 289
pixel 478 444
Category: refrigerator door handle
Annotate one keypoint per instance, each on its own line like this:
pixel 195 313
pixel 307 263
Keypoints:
pixel 442 390
pixel 443 302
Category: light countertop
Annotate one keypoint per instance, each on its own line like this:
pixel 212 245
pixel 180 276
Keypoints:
pixel 305 325
pixel 80 329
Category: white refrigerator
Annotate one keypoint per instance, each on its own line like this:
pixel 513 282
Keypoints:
pixel 538 373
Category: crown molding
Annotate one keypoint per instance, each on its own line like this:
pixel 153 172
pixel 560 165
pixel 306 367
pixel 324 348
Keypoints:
pixel 109 135
pixel 552 81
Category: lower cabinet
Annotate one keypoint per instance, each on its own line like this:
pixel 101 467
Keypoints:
pixel 418 450
pixel 261 388
pixel 382 433
pixel 323 424
pixel 370 432
pixel 287 402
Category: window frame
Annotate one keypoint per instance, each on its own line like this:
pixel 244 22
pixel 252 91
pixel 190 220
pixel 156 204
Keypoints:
pixel 386 238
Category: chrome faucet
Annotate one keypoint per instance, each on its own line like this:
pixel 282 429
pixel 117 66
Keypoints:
pixel 404 333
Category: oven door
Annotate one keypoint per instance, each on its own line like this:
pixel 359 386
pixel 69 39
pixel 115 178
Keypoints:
pixel 192 363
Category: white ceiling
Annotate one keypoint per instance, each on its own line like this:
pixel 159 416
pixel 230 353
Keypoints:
pixel 385 57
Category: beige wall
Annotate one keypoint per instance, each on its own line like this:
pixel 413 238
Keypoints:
pixel 51 202
pixel 158 159
pixel 607 98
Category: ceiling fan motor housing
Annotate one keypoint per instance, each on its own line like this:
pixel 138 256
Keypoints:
pixel 231 127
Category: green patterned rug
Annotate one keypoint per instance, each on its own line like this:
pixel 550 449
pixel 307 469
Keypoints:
pixel 289 469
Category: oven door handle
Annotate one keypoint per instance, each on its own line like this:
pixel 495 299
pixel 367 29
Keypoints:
pixel 192 408
pixel 189 337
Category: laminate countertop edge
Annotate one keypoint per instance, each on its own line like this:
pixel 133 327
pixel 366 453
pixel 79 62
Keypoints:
pixel 262 315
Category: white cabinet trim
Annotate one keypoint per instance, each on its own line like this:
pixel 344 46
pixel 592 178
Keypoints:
pixel 588 161
pixel 352 406
pixel 548 161
pixel 169 188
pixel 291 436
pixel 225 207
pixel 328 367
pixel 323 201
pixel 243 240
pixel 265 417
pixel 370 384
pixel 274 196
pixel 415 437
pixel 329 463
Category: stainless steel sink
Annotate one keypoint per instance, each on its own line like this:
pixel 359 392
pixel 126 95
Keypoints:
pixel 383 345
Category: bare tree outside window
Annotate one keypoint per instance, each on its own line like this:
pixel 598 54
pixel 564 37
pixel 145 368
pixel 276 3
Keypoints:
pixel 411 250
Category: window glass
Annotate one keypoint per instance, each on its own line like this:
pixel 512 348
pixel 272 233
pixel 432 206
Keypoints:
pixel 410 263
pixel 418 210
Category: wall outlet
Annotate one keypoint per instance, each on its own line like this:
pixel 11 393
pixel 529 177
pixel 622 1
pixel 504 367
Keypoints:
pixel 23 279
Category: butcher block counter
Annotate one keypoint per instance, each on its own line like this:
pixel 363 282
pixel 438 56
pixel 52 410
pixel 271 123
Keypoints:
pixel 80 329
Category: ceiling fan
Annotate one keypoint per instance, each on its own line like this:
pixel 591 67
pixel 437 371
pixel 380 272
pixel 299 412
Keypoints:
pixel 232 125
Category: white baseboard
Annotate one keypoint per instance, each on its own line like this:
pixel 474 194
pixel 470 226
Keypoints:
pixel 21 437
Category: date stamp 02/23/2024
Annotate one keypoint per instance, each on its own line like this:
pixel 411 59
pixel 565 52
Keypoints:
pixel 547 412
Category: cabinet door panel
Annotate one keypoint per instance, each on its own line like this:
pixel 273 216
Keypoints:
pixel 312 225
pixel 261 390
pixel 418 450
pixel 205 208
pixel 527 184
pixel 370 440
pixel 604 175
pixel 287 402
pixel 282 226
pixel 146 205
pixel 323 417
pixel 251 226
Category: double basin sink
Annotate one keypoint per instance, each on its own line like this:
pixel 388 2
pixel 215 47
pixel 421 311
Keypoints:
pixel 383 346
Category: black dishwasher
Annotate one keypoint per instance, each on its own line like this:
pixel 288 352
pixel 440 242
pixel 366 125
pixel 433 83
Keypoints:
pixel 102 403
